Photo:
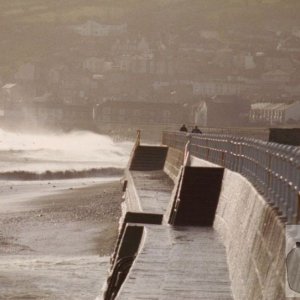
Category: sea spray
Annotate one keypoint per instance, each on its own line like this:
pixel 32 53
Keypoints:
pixel 68 174
pixel 52 154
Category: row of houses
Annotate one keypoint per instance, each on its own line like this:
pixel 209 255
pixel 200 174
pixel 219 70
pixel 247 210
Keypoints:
pixel 214 112
pixel 289 43
pixel 220 111
pixel 275 113
pixel 93 77
pixel 212 85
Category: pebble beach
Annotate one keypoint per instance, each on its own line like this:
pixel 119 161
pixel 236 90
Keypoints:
pixel 56 237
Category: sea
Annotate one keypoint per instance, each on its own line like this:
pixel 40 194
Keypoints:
pixel 67 159
pixel 50 155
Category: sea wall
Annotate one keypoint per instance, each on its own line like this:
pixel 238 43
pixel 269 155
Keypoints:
pixel 173 162
pixel 252 232
pixel 254 237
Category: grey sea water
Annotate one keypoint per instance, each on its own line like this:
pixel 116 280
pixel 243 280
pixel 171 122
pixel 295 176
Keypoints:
pixel 35 275
pixel 51 277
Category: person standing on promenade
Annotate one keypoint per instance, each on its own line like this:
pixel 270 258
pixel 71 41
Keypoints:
pixel 183 128
pixel 196 130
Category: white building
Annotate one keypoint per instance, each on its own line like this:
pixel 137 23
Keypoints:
pixel 94 29
pixel 275 113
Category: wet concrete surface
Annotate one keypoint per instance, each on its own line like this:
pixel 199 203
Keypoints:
pixel 179 263
pixel 154 190
pixel 173 262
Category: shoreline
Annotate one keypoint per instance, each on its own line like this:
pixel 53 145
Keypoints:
pixel 73 209
pixel 74 223
pixel 19 195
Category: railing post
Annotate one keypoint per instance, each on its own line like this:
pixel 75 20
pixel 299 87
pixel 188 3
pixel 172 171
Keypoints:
pixel 207 150
pixel 138 137
pixel 269 175
pixel 223 159
pixel 240 157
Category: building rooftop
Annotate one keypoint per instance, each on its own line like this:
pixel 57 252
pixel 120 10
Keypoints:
pixel 270 106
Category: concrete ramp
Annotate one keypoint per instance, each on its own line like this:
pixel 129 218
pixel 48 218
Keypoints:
pixel 181 263
pixel 148 158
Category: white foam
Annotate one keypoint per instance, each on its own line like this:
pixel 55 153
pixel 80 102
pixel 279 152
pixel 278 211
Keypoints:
pixel 78 150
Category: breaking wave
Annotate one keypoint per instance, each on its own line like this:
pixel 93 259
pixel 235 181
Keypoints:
pixel 52 155
pixel 68 174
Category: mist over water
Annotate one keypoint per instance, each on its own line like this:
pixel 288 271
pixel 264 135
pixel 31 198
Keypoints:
pixel 54 152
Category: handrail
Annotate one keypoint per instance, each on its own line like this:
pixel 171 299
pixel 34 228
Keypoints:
pixel 274 169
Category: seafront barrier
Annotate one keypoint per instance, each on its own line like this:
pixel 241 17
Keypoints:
pixel 204 217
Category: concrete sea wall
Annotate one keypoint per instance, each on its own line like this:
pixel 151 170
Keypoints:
pixel 254 238
pixel 173 162
pixel 252 232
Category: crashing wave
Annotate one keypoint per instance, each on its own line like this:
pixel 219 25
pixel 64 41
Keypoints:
pixel 68 174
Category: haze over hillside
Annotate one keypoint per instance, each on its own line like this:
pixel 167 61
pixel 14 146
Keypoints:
pixel 183 52
pixel 29 28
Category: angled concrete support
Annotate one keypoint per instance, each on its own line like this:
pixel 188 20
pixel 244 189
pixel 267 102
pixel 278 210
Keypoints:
pixel 196 199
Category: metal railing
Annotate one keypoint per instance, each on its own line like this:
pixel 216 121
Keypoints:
pixel 274 169
pixel 261 133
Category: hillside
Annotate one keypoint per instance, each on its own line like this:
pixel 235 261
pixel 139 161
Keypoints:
pixel 31 30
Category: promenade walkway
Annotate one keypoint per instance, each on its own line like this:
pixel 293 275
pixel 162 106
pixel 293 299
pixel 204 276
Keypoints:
pixel 178 263
pixel 152 191
pixel 209 233
pixel 173 262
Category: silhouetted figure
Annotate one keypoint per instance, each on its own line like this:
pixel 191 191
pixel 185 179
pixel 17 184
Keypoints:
pixel 183 128
pixel 196 130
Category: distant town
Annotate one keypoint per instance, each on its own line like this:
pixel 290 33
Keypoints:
pixel 113 79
